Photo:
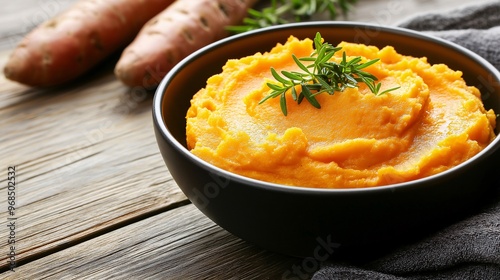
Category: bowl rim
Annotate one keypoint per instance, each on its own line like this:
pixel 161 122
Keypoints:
pixel 157 109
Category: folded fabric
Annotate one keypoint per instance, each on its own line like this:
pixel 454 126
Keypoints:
pixel 469 249
pixel 474 27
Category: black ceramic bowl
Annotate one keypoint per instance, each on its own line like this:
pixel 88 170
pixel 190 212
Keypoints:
pixel 320 222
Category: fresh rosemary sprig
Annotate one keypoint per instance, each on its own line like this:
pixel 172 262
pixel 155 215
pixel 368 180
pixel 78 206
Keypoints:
pixel 285 11
pixel 321 75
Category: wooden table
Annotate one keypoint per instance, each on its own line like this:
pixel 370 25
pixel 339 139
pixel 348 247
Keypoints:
pixel 93 197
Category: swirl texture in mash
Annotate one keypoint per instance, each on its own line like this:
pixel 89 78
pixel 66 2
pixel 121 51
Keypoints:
pixel 434 121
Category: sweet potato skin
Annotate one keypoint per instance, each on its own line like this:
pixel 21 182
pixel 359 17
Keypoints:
pixel 175 33
pixel 68 45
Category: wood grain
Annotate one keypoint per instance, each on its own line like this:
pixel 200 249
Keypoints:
pixel 86 160
pixel 94 197
pixel 178 244
pixel 19 17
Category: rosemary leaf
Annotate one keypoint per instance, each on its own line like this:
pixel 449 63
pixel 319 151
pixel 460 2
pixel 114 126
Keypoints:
pixel 326 76
pixel 285 11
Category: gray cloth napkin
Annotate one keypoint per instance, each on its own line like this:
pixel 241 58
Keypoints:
pixel 470 248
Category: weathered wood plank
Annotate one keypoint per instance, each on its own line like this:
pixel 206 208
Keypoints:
pixel 178 244
pixel 88 163
pixel 86 159
pixel 390 12
pixel 20 16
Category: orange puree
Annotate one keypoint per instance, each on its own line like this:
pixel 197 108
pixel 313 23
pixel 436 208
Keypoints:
pixel 433 122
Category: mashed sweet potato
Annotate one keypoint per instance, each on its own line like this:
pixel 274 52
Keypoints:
pixel 432 122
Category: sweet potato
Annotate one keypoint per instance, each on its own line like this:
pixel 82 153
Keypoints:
pixel 68 45
pixel 179 30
